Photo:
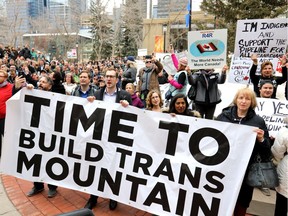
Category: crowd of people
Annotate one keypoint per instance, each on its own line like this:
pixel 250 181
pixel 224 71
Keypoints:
pixel 117 81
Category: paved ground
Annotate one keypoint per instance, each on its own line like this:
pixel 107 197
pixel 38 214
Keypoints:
pixel 14 202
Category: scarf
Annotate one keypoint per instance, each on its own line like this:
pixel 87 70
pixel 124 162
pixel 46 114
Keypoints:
pixel 206 73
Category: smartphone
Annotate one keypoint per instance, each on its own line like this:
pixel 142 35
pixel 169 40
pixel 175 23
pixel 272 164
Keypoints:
pixel 21 74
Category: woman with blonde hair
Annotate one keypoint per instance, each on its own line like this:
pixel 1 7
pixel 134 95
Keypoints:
pixel 136 101
pixel 241 111
pixel 154 101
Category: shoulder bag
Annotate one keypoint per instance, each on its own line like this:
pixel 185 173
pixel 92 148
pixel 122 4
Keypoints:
pixel 262 174
pixel 192 92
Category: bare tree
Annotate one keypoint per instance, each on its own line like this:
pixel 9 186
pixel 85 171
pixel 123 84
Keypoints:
pixel 12 28
pixel 101 30
pixel 132 27
pixel 61 27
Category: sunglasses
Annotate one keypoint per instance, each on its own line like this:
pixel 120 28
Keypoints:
pixel 148 62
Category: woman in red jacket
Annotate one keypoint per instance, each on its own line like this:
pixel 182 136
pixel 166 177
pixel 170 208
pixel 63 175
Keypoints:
pixel 6 93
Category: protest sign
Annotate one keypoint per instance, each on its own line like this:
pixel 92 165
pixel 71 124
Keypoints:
pixel 168 64
pixel 155 162
pixel 207 49
pixel 273 111
pixel 265 37
pixel 72 54
pixel 240 69
pixel 142 52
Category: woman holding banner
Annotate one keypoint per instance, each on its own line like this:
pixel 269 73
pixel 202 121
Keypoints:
pixel 267 74
pixel 242 112
pixel 179 106
pixel 154 101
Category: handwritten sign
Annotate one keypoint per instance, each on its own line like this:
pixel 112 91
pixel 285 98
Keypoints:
pixel 266 37
pixel 273 111
pixel 240 69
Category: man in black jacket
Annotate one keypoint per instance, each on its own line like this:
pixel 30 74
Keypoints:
pixel 25 52
pixel 45 84
pixel 111 94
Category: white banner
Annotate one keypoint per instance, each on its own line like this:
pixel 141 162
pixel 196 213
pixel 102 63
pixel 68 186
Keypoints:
pixel 273 111
pixel 152 161
pixel 266 37
pixel 207 49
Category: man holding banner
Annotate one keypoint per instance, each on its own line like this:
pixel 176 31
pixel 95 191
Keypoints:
pixel 45 84
pixel 110 93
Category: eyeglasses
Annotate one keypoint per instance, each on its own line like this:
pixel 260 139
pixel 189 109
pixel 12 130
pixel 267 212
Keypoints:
pixel 148 62
pixel 110 76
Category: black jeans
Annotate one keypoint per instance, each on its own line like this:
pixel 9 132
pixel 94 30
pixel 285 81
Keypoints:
pixel 40 185
pixel 206 111
pixel 281 205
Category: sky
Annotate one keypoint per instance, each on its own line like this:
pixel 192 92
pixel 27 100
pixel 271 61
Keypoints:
pixel 111 3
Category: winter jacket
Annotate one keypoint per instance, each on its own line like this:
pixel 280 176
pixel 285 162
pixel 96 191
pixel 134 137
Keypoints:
pixel 256 80
pixel 76 91
pixel 129 76
pixel 207 93
pixel 153 82
pixel 5 94
pixel 136 101
pixel 25 52
pixel 121 95
pixel 280 153
pixel 179 83
pixel 58 88
pixel 229 114
pixel 286 90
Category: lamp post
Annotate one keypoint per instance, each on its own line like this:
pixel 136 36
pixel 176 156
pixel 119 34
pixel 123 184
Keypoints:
pixel 77 51
pixel 164 33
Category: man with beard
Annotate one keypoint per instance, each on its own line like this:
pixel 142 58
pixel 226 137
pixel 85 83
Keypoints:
pixel 45 84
